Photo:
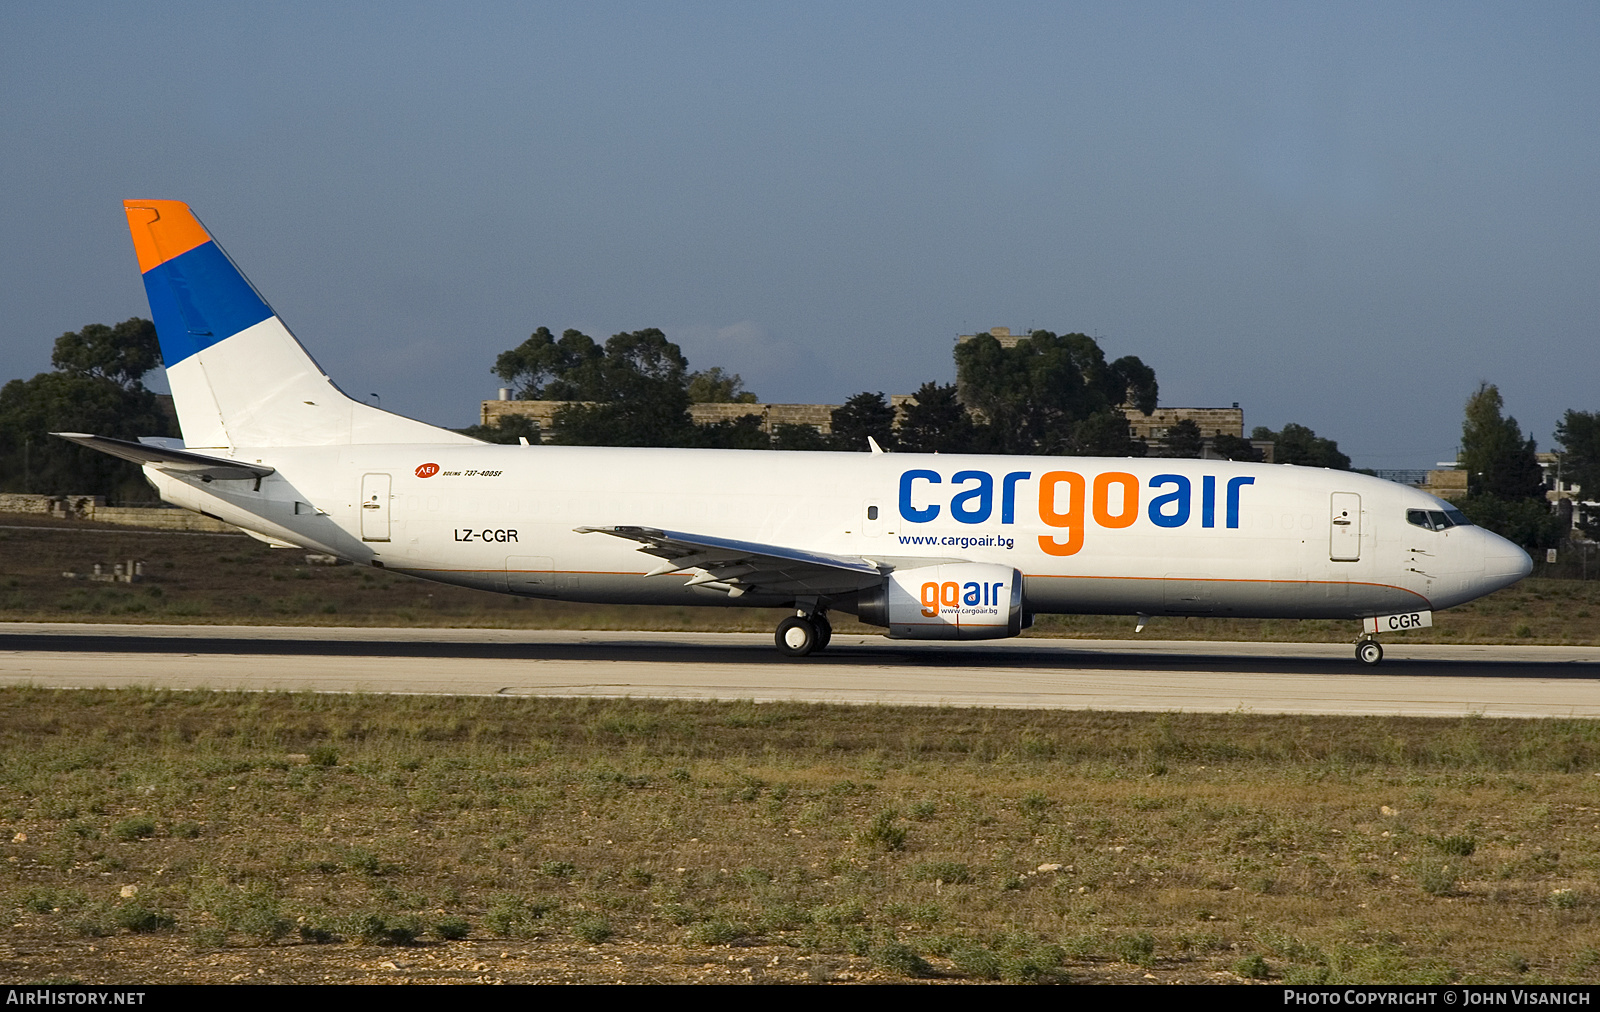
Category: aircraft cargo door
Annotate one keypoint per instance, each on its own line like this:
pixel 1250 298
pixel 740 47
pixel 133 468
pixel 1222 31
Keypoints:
pixel 1344 537
pixel 375 507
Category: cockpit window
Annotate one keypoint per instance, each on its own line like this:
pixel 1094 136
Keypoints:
pixel 1437 520
pixel 1428 520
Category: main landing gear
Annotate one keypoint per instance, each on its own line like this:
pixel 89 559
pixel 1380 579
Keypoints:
pixel 1368 650
pixel 801 634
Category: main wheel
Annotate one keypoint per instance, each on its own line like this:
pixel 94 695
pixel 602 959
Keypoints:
pixel 797 636
pixel 824 630
pixel 1369 652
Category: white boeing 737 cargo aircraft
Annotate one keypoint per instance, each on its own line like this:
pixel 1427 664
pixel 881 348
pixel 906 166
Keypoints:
pixel 929 547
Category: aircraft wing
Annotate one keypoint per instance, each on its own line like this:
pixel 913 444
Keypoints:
pixel 176 462
pixel 740 566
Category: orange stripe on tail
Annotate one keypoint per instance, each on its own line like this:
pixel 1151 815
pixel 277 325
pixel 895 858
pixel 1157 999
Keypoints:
pixel 162 230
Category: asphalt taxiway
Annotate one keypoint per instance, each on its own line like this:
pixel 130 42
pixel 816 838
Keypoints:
pixel 1423 680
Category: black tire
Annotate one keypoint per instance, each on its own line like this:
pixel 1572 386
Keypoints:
pixel 1369 652
pixel 796 637
pixel 824 631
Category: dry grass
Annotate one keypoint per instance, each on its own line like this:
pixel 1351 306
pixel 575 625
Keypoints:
pixel 233 579
pixel 956 844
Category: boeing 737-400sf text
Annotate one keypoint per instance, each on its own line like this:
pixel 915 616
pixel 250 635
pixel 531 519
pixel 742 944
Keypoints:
pixel 929 547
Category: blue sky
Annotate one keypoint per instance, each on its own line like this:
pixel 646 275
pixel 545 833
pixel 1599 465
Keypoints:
pixel 1343 215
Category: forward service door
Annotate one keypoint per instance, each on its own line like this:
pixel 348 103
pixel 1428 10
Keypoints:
pixel 1344 534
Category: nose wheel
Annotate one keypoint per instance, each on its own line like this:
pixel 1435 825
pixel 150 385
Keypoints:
pixel 1369 652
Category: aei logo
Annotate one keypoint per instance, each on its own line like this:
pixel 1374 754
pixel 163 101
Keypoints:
pixel 427 470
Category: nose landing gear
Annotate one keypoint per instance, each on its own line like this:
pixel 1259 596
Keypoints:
pixel 1368 650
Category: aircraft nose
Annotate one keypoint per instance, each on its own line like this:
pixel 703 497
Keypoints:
pixel 1504 563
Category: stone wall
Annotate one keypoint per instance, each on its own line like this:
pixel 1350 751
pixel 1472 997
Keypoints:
pixel 17 502
pixel 772 415
pixel 1152 427
pixel 93 507
pixel 161 519
pixel 1446 484
pixel 1002 334
pixel 1212 421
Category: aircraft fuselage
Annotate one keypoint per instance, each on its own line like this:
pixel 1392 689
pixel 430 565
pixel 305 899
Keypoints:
pixel 1089 535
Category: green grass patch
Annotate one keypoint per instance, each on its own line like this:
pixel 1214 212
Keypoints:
pixel 904 842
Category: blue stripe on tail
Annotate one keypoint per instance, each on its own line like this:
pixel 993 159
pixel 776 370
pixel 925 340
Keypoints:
pixel 198 299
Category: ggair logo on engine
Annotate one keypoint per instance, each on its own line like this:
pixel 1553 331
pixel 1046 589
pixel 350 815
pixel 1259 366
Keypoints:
pixel 971 598
pixel 427 470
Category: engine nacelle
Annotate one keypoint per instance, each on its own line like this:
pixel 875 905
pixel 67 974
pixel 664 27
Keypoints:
pixel 959 601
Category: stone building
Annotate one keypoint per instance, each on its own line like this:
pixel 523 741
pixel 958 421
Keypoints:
pixel 1002 334
pixel 1446 483
pixel 1151 428
pixel 772 415
pixel 1211 421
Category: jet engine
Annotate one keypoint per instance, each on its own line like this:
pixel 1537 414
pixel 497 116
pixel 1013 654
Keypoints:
pixel 958 601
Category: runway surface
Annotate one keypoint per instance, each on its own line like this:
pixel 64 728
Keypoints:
pixel 1495 681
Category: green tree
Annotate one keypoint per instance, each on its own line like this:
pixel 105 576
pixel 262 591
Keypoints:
pixel 120 354
pixel 1297 444
pixel 865 414
pixel 1578 432
pixel 1498 461
pixel 1234 448
pixel 937 422
pixel 792 436
pixel 1103 434
pixel 717 386
pixel 1505 483
pixel 1052 394
pixel 1137 381
pixel 742 433
pixel 98 387
pixel 632 392
pixel 1528 522
pixel 1184 439
pixel 543 368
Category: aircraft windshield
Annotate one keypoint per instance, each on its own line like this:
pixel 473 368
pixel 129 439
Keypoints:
pixel 1437 520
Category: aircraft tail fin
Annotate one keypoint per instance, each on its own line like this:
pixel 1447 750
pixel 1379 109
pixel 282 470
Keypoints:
pixel 238 376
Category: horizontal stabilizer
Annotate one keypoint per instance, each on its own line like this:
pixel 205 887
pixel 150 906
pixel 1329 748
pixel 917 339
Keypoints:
pixel 182 463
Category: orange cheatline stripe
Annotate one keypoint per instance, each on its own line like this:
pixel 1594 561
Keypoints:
pixel 1029 576
pixel 1217 579
pixel 162 230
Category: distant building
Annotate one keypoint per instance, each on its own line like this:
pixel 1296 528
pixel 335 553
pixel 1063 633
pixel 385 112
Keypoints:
pixel 1210 421
pixel 1446 483
pixel 1002 334
pixel 1558 485
pixel 1151 428
pixel 1566 496
pixel 771 415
